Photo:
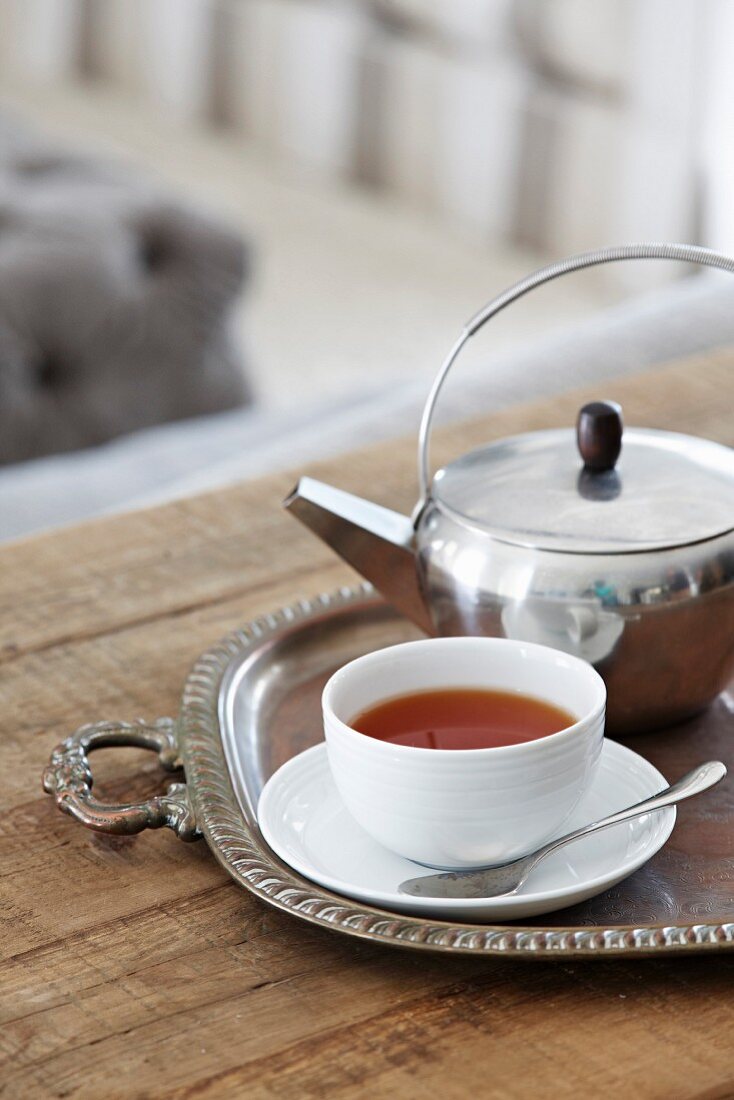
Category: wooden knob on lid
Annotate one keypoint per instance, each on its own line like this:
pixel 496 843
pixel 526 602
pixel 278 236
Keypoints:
pixel 599 434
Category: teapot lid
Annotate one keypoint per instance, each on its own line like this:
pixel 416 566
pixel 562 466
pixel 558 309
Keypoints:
pixel 652 490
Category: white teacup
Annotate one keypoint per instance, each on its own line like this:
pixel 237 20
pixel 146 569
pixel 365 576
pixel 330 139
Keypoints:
pixel 453 808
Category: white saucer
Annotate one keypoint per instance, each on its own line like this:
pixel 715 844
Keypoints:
pixel 305 822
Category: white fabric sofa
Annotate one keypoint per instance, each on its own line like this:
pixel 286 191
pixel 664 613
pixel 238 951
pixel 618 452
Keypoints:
pixel 191 456
pixel 558 126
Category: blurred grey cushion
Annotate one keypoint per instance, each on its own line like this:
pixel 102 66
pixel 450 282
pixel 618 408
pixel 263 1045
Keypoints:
pixel 114 303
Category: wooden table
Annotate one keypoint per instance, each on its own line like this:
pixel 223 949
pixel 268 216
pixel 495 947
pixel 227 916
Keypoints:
pixel 134 967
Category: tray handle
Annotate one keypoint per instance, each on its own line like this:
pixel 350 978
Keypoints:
pixel 68 777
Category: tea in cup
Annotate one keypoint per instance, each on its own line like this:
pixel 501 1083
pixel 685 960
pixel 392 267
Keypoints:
pixel 463 752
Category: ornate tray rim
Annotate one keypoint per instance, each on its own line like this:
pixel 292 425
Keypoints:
pixel 246 857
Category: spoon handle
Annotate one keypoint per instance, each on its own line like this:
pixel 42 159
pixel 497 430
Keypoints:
pixel 696 781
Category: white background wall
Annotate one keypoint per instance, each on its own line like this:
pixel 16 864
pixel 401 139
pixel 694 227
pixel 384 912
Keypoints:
pixel 559 125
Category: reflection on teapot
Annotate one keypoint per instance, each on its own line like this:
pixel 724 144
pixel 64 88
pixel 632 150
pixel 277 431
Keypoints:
pixel 579 627
pixel 554 538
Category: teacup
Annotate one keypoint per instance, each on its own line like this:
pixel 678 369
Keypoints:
pixel 464 808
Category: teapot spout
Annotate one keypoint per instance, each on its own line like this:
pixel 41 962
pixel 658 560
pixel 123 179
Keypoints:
pixel 376 541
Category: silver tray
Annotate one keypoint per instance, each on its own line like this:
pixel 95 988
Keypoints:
pixel 252 701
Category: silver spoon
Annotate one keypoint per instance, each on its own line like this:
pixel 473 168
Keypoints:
pixel 507 878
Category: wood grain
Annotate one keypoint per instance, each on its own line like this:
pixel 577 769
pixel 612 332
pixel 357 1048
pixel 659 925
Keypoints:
pixel 133 967
pixel 110 573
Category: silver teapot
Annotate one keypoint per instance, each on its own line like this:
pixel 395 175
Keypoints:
pixel 614 545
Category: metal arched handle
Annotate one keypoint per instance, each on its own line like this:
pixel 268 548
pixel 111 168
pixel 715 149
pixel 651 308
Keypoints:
pixel 686 253
pixel 68 778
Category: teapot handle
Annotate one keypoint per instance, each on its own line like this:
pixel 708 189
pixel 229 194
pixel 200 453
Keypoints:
pixel 685 252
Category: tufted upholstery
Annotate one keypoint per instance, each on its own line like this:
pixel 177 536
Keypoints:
pixel 113 303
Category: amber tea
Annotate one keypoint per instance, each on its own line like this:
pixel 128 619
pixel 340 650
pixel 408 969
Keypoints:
pixel 462 718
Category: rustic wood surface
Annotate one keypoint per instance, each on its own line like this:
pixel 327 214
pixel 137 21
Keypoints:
pixel 134 967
